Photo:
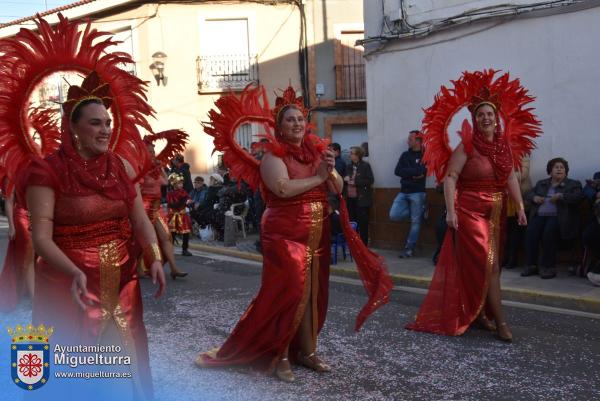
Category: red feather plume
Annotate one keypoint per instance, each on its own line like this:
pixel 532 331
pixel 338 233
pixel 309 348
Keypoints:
pixel 45 123
pixel 251 106
pixel 29 57
pixel 176 140
pixel 521 126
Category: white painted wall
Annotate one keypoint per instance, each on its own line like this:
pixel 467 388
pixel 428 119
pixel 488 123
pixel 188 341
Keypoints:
pixel 556 57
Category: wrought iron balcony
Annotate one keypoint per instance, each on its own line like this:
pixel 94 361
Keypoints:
pixel 223 72
pixel 350 82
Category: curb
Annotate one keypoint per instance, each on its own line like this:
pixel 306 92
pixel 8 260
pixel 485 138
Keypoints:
pixel 227 252
pixel 583 304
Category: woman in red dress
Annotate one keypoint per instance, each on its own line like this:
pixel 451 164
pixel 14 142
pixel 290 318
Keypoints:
pixel 466 283
pixel 296 246
pixel 151 192
pixel 85 211
pixel 17 273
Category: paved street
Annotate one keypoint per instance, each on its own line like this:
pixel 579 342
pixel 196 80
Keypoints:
pixel 554 357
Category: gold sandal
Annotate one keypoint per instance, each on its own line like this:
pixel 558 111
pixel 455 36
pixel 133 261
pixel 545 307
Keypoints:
pixel 313 362
pixel 285 375
pixel 484 323
pixel 507 337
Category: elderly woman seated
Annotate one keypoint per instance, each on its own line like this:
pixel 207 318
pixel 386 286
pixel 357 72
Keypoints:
pixel 554 217
pixel 202 213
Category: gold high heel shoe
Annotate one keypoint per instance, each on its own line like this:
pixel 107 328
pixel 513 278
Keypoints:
pixel 285 375
pixel 484 323
pixel 507 335
pixel 313 362
pixel 176 274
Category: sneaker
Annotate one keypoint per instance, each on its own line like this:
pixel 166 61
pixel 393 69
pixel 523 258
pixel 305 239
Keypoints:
pixel 185 252
pixel 548 272
pixel 406 253
pixel 529 271
pixel 594 278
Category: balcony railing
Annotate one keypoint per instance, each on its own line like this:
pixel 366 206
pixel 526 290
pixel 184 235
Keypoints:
pixel 222 72
pixel 351 83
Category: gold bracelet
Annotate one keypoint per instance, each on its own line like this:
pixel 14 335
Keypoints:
pixel 152 253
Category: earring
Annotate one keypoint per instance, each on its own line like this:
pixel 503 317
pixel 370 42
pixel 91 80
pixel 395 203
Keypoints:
pixel 76 142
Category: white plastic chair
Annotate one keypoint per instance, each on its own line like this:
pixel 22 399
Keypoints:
pixel 241 218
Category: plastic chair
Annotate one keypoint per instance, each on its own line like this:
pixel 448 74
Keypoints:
pixel 340 241
pixel 241 218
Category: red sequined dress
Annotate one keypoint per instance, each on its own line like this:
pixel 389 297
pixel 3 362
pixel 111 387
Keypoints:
pixel 92 228
pixel 461 280
pixel 150 188
pixel 18 253
pixel 295 239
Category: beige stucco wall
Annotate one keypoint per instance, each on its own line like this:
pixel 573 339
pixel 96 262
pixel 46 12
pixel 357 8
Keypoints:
pixel 175 30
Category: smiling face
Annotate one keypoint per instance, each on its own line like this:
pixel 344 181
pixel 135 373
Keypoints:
pixel 92 130
pixel 292 125
pixel 485 118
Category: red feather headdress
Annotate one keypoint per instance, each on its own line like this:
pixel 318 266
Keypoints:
pixel 472 90
pixel 176 140
pixel 29 57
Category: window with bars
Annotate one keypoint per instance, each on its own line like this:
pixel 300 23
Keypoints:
pixel 350 66
pixel 225 61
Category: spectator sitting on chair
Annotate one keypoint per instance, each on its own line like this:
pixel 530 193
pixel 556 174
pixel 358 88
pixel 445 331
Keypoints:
pixel 198 194
pixel 591 242
pixel 228 195
pixel 410 202
pixel 202 216
pixel 554 217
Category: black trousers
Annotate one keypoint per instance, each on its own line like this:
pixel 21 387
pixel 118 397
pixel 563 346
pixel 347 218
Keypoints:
pixel 514 241
pixel 185 240
pixel 360 215
pixel 546 230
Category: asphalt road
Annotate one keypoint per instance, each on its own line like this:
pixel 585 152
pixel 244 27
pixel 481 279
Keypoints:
pixel 554 356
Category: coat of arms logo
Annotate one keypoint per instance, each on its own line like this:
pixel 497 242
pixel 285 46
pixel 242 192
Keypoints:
pixel 30 355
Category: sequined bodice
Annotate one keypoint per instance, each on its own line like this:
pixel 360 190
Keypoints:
pixel 478 168
pixel 80 210
pixel 297 170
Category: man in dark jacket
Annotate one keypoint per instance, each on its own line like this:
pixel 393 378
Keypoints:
pixel 183 169
pixel 340 165
pixel 410 202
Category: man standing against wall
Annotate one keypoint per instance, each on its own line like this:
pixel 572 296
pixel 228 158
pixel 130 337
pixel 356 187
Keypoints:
pixel 410 202
pixel 182 168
